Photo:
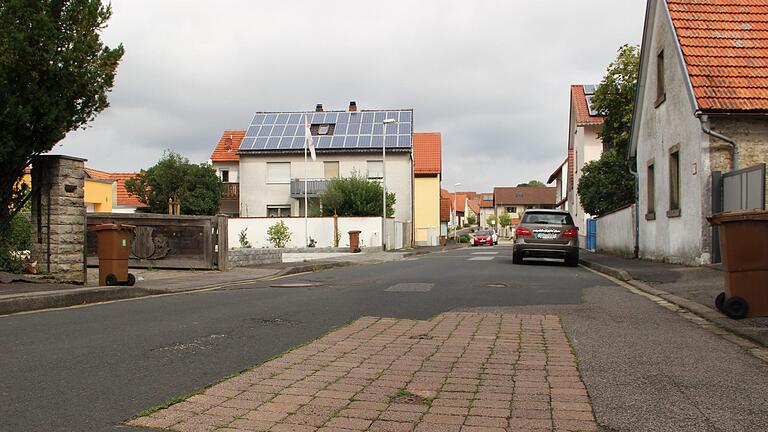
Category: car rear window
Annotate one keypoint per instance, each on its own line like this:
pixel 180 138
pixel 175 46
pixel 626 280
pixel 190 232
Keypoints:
pixel 547 218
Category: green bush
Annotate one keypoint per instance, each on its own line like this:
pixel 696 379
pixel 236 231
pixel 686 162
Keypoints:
pixel 355 196
pixel 471 219
pixel 243 238
pixel 465 238
pixel 279 234
pixel 16 238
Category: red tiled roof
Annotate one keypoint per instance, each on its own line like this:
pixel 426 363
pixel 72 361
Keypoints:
pixel 460 200
pixel 444 193
pixel 226 149
pixel 427 153
pixel 581 109
pixel 469 195
pixel 485 203
pixel 725 46
pixel 445 209
pixel 525 195
pixel 123 197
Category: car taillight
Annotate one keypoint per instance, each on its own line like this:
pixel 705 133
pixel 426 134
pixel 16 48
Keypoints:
pixel 570 233
pixel 522 232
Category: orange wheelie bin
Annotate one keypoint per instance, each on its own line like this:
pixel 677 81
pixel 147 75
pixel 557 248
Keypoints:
pixel 114 246
pixel 744 249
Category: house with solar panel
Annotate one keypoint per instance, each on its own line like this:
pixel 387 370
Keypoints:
pixel 271 158
pixel 699 133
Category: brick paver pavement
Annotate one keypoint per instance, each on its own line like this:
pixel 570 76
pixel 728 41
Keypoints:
pixel 474 371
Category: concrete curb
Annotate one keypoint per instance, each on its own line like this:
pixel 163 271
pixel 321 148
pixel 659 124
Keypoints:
pixel 693 307
pixel 75 297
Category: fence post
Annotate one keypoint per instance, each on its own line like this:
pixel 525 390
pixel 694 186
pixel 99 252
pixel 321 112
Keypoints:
pixel 222 241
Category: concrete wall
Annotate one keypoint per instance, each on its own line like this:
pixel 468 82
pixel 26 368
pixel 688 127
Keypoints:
pixel 256 194
pixel 616 232
pixel 665 236
pixel 427 210
pixel 320 229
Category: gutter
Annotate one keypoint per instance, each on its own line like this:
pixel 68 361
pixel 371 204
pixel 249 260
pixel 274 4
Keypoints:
pixel 704 119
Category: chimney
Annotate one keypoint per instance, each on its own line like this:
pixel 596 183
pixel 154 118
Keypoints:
pixel 319 108
pixel 352 106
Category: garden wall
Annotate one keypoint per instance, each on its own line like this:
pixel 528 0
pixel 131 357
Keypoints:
pixel 320 229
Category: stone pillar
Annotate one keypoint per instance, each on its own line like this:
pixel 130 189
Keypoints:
pixel 58 217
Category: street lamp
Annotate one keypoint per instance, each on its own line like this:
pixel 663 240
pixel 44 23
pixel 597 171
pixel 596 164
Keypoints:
pixel 455 213
pixel 387 121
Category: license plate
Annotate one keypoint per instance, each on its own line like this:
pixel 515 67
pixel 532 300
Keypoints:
pixel 546 236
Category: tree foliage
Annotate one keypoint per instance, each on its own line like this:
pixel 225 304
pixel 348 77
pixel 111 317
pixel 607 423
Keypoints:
pixel 197 187
pixel 615 98
pixel 532 183
pixel 505 219
pixel 606 184
pixel 55 73
pixel 355 196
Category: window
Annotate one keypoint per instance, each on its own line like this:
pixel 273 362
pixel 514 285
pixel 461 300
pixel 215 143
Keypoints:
pixel 331 169
pixel 225 176
pixel 511 209
pixel 550 218
pixel 661 93
pixel 375 169
pixel 487 197
pixel 278 211
pixel 651 191
pixel 674 182
pixel 278 172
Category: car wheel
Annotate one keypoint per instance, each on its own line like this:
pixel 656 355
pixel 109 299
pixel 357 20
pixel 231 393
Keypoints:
pixel 572 260
pixel 517 258
pixel 736 307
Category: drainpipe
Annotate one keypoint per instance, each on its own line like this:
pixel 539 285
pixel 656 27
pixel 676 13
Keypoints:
pixel 633 171
pixel 704 119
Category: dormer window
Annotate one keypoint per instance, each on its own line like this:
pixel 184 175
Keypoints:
pixel 323 129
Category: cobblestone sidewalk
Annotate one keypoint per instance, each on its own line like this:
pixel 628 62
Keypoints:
pixel 458 372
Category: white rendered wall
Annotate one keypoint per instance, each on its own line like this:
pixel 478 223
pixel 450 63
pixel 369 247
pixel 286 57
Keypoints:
pixel 320 229
pixel 682 239
pixel 256 194
pixel 616 232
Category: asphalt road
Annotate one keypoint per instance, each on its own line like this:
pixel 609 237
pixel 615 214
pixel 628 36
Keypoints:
pixel 92 367
pixel 646 368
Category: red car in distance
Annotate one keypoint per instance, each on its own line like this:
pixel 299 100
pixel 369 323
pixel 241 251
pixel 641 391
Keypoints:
pixel 483 237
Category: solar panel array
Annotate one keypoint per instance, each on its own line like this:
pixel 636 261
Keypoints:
pixel 351 130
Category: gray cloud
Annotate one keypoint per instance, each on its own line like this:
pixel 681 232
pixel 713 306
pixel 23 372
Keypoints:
pixel 492 76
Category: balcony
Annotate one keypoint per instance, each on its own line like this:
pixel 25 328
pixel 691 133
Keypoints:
pixel 231 191
pixel 315 187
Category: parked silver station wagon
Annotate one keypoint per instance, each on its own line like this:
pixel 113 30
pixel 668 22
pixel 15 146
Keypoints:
pixel 546 234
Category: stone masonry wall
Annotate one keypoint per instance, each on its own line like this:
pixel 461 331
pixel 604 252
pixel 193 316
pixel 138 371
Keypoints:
pixel 751 135
pixel 58 182
pixel 253 256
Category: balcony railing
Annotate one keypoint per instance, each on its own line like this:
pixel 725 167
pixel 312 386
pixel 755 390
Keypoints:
pixel 231 191
pixel 315 187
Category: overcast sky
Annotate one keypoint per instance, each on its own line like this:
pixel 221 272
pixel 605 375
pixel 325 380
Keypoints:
pixel 492 76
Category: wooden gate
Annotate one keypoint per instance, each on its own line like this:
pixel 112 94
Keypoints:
pixel 164 241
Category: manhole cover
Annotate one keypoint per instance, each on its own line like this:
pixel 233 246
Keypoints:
pixel 411 287
pixel 295 285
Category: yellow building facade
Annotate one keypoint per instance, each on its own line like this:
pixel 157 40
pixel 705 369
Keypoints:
pixel 427 171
